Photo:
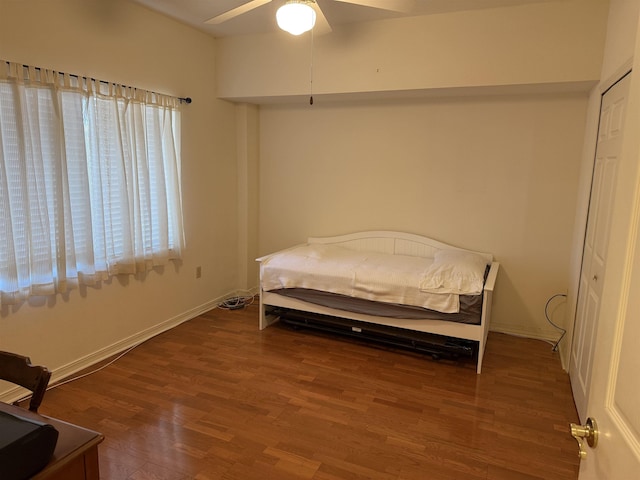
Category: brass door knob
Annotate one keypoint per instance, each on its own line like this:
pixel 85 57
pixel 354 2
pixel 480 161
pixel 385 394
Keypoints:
pixel 588 432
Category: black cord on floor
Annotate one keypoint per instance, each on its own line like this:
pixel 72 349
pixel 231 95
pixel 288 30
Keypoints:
pixel 236 303
pixel 546 314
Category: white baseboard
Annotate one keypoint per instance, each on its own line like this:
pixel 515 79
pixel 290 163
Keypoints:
pixel 15 393
pixel 536 336
pixel 547 337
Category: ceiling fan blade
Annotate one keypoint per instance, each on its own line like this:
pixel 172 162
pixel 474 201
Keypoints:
pixel 402 6
pixel 234 12
pixel 322 25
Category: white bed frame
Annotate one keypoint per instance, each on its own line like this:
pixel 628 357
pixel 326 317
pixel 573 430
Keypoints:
pixel 397 243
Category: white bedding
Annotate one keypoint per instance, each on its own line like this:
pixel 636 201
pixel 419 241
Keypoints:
pixel 371 276
pixel 455 271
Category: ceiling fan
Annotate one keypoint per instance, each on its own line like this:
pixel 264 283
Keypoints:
pixel 319 20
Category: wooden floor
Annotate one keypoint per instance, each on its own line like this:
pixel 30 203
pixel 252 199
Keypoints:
pixel 215 398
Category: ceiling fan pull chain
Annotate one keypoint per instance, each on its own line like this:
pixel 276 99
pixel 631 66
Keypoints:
pixel 311 72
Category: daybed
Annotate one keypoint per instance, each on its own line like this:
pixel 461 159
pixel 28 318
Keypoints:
pixel 399 287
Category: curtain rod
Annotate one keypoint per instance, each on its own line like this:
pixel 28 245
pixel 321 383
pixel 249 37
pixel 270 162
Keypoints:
pixel 186 100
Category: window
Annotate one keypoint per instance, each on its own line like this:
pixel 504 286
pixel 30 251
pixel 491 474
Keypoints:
pixel 89 181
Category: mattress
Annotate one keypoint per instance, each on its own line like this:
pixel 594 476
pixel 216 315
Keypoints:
pixel 470 311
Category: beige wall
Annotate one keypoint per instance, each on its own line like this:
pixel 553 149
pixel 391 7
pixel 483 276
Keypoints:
pixel 622 25
pixel 443 125
pixel 248 128
pixel 492 173
pixel 540 44
pixel 121 42
pixel 260 178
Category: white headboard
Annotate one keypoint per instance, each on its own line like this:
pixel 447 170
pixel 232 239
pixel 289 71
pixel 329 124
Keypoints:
pixel 395 243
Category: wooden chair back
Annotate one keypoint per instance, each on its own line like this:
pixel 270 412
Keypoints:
pixel 17 369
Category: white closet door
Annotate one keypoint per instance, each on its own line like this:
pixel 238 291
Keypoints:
pixel 594 259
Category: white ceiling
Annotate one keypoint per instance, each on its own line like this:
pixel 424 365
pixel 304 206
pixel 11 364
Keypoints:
pixel 262 19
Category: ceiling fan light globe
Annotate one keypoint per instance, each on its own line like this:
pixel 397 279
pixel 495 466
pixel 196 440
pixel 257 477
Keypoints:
pixel 296 17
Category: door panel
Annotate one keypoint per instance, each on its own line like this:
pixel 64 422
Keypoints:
pixel 614 399
pixel 625 386
pixel 596 243
pixel 586 352
pixel 614 386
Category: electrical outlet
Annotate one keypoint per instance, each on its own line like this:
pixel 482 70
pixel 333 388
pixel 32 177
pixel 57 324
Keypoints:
pixel 198 272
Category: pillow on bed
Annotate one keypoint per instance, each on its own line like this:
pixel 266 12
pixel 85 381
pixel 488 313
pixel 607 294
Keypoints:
pixel 455 271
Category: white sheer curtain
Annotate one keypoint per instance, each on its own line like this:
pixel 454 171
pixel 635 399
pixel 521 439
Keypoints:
pixel 89 181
